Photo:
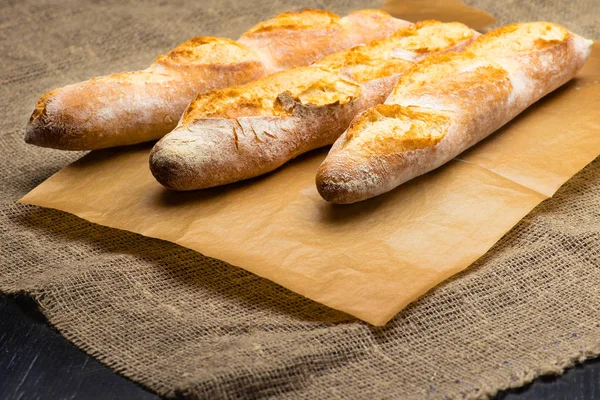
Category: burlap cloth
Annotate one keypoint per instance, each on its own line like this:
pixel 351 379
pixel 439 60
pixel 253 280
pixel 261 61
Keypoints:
pixel 181 323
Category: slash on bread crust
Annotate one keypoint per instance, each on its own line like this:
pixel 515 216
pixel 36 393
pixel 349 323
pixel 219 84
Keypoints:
pixel 206 51
pixel 406 128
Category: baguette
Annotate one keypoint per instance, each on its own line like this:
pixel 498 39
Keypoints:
pixel 244 131
pixel 133 107
pixel 446 104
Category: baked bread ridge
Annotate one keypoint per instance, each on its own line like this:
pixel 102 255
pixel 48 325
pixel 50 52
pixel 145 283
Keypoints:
pixel 244 131
pixel 132 107
pixel 445 105
pixel 277 40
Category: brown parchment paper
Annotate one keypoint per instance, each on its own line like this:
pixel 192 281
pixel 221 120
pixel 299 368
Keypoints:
pixel 369 259
pixel 442 10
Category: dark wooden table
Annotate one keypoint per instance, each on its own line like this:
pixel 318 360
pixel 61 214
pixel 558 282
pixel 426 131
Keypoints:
pixel 36 362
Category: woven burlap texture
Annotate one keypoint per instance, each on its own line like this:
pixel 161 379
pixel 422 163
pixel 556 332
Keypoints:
pixel 183 324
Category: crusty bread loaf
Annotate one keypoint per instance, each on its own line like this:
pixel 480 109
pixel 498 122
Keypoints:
pixel 446 104
pixel 244 131
pixel 133 107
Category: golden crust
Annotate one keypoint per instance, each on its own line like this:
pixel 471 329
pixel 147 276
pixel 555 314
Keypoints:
pixel 278 39
pixel 297 20
pixel 209 50
pixel 390 128
pixel 311 85
pixel 450 81
pixel 431 36
pixel 379 59
pixel 366 63
pixel 330 89
pixel 519 38
pixel 438 87
pixel 279 45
